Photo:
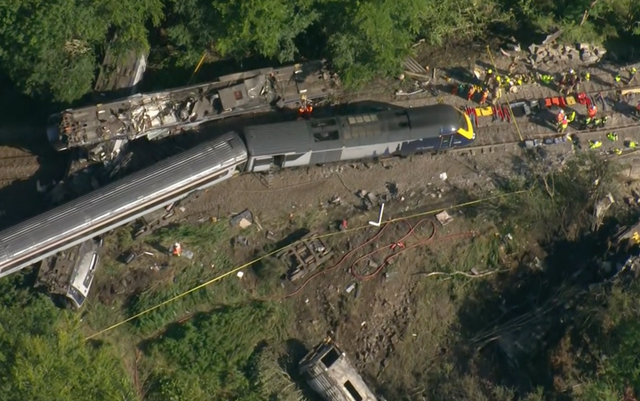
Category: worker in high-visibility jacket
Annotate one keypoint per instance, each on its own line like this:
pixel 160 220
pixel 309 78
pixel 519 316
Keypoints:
pixel 612 136
pixel 562 126
pixel 485 96
pixel 617 151
pixel 594 144
pixel 633 144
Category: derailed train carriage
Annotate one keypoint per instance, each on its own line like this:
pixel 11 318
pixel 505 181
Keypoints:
pixel 400 132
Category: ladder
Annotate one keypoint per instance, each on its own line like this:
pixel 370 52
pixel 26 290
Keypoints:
pixel 271 173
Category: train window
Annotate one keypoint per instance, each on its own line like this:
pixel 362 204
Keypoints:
pixel 352 120
pixel 444 130
pixel 326 136
pixel 367 119
pixel 323 123
pixel 359 119
pixel 352 391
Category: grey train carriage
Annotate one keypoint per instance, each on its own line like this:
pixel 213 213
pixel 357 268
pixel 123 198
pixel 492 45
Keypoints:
pixel 387 133
pixel 121 202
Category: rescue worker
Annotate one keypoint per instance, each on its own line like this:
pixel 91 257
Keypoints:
pixel 612 136
pixel 632 74
pixel 617 78
pixel 485 96
pixel 572 116
pixel 617 151
pixel 562 126
pixel 305 110
pixel 176 249
pixel 637 110
pixel 472 91
pixel 587 76
pixel 546 79
pixel 561 116
pixel 488 77
pixel 633 144
pixel 585 123
pixel 600 122
pixel 497 93
pixel 592 110
pixel 594 144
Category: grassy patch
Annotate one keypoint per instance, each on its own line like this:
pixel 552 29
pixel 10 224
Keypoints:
pixel 218 355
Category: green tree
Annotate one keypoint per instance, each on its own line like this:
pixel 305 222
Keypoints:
pixel 372 37
pixel 214 356
pixel 43 356
pixel 49 47
pixel 239 28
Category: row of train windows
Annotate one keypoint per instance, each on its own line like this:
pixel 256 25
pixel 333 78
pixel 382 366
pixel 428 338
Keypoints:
pixel 365 118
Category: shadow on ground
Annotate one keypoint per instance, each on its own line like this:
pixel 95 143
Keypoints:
pixel 510 327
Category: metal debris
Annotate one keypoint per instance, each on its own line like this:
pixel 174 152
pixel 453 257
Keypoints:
pixel 444 218
pixel 242 220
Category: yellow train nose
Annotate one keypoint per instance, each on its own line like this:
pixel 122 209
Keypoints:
pixel 468 132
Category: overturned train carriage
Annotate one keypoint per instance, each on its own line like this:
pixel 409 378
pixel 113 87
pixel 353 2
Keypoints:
pixel 387 133
pixel 331 375
pixel 120 202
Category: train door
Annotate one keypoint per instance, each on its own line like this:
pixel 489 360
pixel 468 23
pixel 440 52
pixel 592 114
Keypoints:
pixel 278 161
pixel 446 142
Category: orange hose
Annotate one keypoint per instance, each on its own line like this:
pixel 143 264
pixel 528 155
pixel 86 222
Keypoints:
pixel 364 277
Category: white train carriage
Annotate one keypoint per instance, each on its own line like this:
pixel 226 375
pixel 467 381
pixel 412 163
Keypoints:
pixel 387 133
pixel 121 202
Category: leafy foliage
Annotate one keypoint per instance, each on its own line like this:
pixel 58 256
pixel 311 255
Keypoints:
pixel 43 357
pixel 214 356
pixel 51 47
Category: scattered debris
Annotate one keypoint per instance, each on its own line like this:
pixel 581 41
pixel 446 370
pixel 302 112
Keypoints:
pixel 240 274
pixel 444 218
pixel 130 258
pixel 335 201
pixel 389 275
pixel 443 176
pixel 305 257
pixel 240 240
pixel 242 220
pixel 350 288
pixel 600 209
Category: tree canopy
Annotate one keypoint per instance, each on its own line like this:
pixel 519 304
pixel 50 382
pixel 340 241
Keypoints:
pixel 43 356
pixel 53 48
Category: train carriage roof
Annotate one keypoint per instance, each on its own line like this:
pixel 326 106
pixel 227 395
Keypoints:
pixel 352 131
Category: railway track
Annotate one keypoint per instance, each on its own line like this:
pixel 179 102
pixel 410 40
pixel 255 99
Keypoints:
pixel 515 145
pixel 21 167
